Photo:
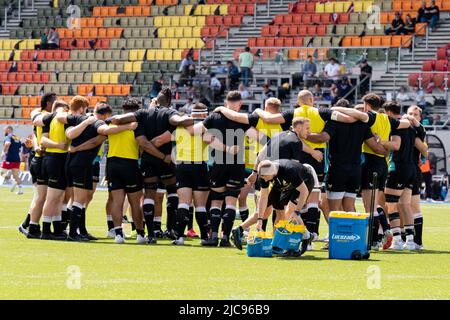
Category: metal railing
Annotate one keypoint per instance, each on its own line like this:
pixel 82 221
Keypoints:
pixel 13 7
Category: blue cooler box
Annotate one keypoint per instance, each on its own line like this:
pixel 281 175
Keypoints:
pixel 348 233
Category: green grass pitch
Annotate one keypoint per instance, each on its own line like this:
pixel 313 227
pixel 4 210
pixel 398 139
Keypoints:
pixel 35 269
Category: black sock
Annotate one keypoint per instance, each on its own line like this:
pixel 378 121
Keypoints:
pixel 82 223
pixel 133 226
pixel 228 217
pixel 418 228
pixel 172 205
pixel 140 232
pixel 241 230
pixel 149 212
pixel 190 224
pixel 243 212
pixel 375 226
pixel 57 225
pixel 383 219
pixel 274 217
pixel 216 214
pixel 306 217
pixel 313 217
pixel 119 231
pixel 403 233
pixel 264 224
pixel 157 224
pixel 64 219
pixel 33 228
pixel 202 220
pixel 46 225
pixel 109 222
pixel 182 220
pixel 26 222
pixel 74 219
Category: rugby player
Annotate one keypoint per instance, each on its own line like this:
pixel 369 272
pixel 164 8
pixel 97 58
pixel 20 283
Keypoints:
pixel 344 154
pixel 56 144
pixel 401 176
pixel 156 163
pixel 420 151
pixel 292 185
pixel 192 174
pixel 11 158
pixel 228 171
pixel 39 183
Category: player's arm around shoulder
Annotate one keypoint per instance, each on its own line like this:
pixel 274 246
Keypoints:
pixel 106 130
pixel 233 115
pixel 271 118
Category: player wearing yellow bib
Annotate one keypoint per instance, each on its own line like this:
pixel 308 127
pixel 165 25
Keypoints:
pixel 192 155
pixel 39 184
pixel 53 169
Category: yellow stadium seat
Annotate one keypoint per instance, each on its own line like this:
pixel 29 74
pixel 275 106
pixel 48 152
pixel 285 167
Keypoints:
pixel 168 55
pixel 165 43
pixel 170 33
pixel 166 21
pixel 159 54
pixel 187 9
pixel 192 21
pixel 223 9
pixel 137 66
pixel 104 78
pixel 179 32
pixel 200 43
pixel 367 5
pixel 150 54
pixel 136 55
pixel 329 7
pixel 158 21
pixel 346 5
pixel 183 43
pixel 173 43
pixel 196 32
pixel 162 32
pixel 201 21
pixel 114 77
pixel 128 67
pixel 184 21
pixel 175 21
pixel 17 55
pixel 186 32
pixel 177 55
pixel 358 6
pixel 97 78
pixel 206 10
pixel 320 8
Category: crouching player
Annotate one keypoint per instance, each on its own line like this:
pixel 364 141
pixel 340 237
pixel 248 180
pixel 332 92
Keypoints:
pixel 292 185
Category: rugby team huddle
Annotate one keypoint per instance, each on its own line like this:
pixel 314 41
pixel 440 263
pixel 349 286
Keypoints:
pixel 294 164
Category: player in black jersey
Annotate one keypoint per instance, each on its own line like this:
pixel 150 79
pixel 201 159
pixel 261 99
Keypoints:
pixel 344 154
pixel 156 163
pixel 420 152
pixel 227 172
pixel 292 185
pixel 401 177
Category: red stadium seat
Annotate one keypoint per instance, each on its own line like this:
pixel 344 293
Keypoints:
pixel 441 65
pixel 413 80
pixel 307 19
pixel 428 65
pixel 438 80
pixel 288 42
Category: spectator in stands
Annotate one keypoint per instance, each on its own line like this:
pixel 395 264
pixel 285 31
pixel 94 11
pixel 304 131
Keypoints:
pixel 53 39
pixel 246 65
pixel 43 45
pixel 396 27
pixel 245 94
pixel 267 92
pixel 333 97
pixel 216 87
pixel 233 75
pixel 402 95
pixel 344 87
pixel 187 108
pixel 175 91
pixel 332 71
pixel 410 25
pixel 432 15
pixel 419 96
pixel 309 71
pixel 187 69
pixel 421 16
pixel 156 87
pixel 364 77
pixel 317 92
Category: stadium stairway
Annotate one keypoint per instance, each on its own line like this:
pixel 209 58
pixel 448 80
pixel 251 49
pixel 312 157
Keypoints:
pixel 26 13
pixel 397 75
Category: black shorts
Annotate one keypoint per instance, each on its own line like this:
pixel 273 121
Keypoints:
pixel 54 170
pixel 403 177
pixel 80 177
pixel 96 172
pixel 279 199
pixel 417 182
pixel 36 171
pixel 153 167
pixel 227 175
pixel 193 175
pixel 373 164
pixel 124 174
pixel 343 181
pixel 319 167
